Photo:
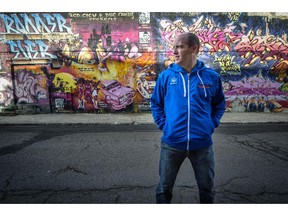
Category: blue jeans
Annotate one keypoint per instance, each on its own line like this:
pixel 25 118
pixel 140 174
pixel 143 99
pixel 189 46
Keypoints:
pixel 202 162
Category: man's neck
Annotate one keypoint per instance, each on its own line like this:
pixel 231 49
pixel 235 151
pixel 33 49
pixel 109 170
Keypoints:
pixel 189 66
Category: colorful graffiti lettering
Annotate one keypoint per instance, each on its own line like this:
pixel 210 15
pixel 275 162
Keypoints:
pixel 28 89
pixel 31 50
pixel 109 61
pixel 256 90
pixel 24 33
pixel 34 24
pixel 227 65
pixel 238 55
pixel 262 48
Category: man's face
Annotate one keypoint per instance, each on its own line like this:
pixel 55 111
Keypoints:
pixel 183 54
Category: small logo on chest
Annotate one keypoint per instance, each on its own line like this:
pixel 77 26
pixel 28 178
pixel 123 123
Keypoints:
pixel 173 81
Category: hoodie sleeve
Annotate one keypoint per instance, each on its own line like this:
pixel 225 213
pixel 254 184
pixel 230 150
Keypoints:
pixel 218 104
pixel 157 103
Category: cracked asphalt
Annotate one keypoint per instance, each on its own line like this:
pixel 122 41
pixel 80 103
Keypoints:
pixel 94 163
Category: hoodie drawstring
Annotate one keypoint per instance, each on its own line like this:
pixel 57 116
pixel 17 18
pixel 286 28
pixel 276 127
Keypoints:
pixel 184 86
pixel 202 83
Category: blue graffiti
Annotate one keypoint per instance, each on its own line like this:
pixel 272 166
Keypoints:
pixel 32 49
pixel 34 25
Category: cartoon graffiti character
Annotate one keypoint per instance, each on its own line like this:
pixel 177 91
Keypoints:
pixel 67 50
pixel 131 50
pixel 102 56
pixel 95 95
pixel 237 105
pixel 252 105
pixel 116 52
pixel 262 104
pixel 85 56
pixel 274 106
pixel 87 92
pixel 80 94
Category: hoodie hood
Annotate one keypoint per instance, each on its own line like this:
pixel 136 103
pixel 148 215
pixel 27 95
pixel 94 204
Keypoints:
pixel 177 68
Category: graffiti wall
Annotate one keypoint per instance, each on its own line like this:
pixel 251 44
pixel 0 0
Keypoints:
pixel 109 62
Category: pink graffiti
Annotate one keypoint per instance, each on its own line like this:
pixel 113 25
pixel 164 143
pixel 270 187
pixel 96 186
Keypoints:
pixel 213 37
pixel 214 40
pixel 169 30
pixel 264 48
pixel 217 39
pixel 27 89
pixel 255 86
pixel 255 94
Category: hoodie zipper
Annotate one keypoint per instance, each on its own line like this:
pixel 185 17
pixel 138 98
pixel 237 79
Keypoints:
pixel 188 125
pixel 187 93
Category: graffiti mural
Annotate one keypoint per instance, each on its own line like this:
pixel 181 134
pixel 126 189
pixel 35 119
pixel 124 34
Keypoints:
pixel 29 87
pixel 249 53
pixel 109 61
pixel 100 62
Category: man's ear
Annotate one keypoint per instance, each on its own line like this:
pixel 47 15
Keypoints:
pixel 195 48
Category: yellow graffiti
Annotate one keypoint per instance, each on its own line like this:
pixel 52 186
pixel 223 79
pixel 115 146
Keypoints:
pixel 65 81
pixel 233 16
pixel 227 65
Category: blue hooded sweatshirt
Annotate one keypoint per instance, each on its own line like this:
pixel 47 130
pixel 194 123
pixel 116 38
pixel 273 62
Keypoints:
pixel 188 106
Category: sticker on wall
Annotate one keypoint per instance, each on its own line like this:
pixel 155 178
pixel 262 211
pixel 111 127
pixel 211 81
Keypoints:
pixel 144 37
pixel 144 18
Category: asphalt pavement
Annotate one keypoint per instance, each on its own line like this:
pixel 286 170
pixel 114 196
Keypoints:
pixel 133 118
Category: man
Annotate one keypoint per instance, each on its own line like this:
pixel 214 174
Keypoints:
pixel 187 104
